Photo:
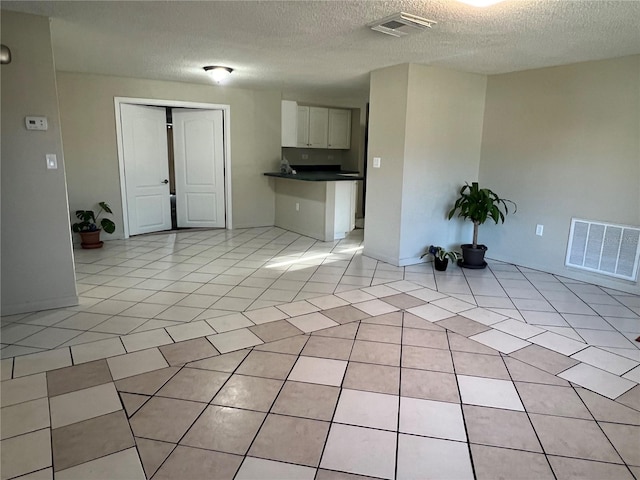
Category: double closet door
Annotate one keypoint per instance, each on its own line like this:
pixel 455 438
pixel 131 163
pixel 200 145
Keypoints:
pixel 198 162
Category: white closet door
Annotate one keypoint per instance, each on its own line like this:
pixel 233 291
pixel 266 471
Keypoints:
pixel 146 164
pixel 198 143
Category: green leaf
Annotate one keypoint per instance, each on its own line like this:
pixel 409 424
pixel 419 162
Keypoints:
pixel 105 206
pixel 107 225
pixel 90 220
pixel 479 204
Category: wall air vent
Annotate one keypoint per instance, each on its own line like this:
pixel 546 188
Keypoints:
pixel 401 24
pixel 604 248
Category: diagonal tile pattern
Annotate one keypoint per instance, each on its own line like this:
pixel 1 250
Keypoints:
pixel 260 352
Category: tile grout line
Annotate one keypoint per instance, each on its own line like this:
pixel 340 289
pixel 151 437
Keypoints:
pixel 397 453
pixel 502 356
pixel 599 426
pixel 341 387
pixel 268 412
pixel 50 426
pixel 464 418
pixel 207 404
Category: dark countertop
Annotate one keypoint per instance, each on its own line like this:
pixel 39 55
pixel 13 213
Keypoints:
pixel 322 176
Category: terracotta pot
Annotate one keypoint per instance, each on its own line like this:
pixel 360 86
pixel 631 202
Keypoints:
pixel 91 239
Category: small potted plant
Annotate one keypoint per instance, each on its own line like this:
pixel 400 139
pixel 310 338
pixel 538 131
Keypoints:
pixel 88 226
pixel 441 257
pixel 478 205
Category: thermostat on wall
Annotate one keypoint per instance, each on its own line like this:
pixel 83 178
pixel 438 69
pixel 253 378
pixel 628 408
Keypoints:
pixel 36 123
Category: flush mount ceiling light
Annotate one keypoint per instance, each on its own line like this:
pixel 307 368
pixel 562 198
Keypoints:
pixel 480 3
pixel 217 73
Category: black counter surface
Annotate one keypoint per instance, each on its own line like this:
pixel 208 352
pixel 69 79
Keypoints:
pixel 327 174
pixel 317 176
pixel 318 173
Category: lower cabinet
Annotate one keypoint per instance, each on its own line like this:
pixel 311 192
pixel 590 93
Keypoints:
pixel 325 211
pixel 343 208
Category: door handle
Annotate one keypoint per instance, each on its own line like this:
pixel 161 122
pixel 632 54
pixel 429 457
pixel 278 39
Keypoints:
pixel 165 181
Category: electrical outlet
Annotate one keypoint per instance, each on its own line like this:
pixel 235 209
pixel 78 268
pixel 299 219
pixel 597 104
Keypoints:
pixel 539 230
pixel 376 162
pixel 304 156
pixel 297 207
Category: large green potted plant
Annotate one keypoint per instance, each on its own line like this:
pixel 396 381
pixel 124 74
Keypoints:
pixel 88 226
pixel 478 205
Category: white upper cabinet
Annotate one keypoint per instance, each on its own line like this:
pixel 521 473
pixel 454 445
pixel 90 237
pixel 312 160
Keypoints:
pixel 315 127
pixel 289 123
pixel 318 127
pixel 339 129
pixel 302 122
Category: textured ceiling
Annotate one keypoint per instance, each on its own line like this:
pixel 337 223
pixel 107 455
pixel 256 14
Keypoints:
pixel 325 47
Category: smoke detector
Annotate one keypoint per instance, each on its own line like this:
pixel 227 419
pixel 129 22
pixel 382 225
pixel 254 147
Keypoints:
pixel 401 24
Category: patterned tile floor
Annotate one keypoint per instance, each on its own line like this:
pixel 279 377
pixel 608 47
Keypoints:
pixel 259 353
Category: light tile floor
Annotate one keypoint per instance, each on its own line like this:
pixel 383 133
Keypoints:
pixel 260 353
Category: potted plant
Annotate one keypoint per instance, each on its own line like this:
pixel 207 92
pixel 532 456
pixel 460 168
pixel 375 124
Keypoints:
pixel 478 204
pixel 88 226
pixel 441 257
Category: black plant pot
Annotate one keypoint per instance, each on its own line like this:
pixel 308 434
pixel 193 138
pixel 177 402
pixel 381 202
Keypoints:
pixel 473 257
pixel 440 265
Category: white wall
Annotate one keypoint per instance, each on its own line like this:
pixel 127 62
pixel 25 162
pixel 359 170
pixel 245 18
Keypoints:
pixel 37 257
pixel 426 125
pixel 88 120
pixel 315 156
pixel 442 151
pixel 387 125
pixel 562 142
pixel 311 198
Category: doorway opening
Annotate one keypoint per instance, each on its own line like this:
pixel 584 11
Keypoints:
pixel 175 165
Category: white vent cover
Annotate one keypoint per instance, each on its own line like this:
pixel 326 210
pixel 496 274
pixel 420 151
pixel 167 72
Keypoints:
pixel 401 24
pixel 604 248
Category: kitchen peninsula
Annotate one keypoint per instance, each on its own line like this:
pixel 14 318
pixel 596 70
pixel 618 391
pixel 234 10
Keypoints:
pixel 319 203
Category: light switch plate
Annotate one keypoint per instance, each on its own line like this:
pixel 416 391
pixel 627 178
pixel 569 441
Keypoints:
pixel 52 161
pixel 376 162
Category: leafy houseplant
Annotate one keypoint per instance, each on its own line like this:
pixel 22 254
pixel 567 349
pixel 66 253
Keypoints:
pixel 478 205
pixel 441 257
pixel 88 226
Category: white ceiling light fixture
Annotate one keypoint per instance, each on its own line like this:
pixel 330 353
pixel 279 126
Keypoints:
pixel 481 3
pixel 401 24
pixel 218 73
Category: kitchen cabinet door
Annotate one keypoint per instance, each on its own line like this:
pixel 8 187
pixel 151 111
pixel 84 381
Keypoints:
pixel 339 129
pixel 303 127
pixel 313 127
pixel 289 123
pixel 318 127
pixel 321 127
